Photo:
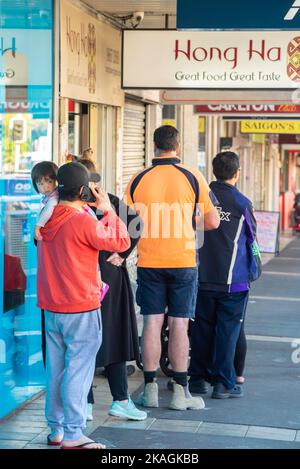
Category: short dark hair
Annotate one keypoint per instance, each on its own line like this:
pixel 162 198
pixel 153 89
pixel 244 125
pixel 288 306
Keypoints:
pixel 166 138
pixel 89 164
pixel 225 165
pixel 71 195
pixel 44 169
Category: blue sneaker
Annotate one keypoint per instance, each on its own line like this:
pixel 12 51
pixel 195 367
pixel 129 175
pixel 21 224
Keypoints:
pixel 127 411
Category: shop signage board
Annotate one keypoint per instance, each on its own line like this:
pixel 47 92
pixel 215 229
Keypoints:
pixel 270 126
pixel 236 14
pixel 246 109
pixel 268 231
pixel 21 52
pixel 206 59
pixel 90 58
pixel 207 96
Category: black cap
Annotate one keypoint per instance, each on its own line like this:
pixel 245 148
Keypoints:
pixel 74 175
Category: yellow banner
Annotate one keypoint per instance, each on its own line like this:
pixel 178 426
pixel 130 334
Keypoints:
pixel 258 138
pixel 270 127
pixel 169 122
pixel 201 125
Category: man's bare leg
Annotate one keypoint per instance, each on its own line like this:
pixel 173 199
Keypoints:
pixel 151 344
pixel 178 343
pixel 178 355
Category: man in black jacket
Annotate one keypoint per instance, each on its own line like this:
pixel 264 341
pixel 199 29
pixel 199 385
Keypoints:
pixel 228 262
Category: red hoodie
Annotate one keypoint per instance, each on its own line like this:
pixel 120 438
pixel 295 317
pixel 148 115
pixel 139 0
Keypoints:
pixel 68 276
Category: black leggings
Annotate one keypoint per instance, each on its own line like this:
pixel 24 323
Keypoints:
pixel 117 379
pixel 240 352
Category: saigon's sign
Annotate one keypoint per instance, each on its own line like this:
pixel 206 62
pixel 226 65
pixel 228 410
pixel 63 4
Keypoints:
pixel 270 127
pixel 236 14
pixel 219 59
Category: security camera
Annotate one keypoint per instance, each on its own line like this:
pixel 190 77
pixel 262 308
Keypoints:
pixel 138 16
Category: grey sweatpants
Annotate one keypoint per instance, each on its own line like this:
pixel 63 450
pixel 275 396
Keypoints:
pixel 72 344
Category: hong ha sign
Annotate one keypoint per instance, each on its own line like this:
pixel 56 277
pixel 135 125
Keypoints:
pixel 214 59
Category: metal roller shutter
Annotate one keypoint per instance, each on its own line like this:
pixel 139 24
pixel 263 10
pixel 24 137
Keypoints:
pixel 133 139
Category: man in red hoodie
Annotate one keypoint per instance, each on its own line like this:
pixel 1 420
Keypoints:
pixel 69 291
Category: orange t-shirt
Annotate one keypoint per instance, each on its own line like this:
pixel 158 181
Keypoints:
pixel 167 196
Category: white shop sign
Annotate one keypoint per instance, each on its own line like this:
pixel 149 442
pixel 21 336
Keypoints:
pixel 212 59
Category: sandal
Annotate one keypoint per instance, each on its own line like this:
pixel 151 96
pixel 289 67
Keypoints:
pixel 51 442
pixel 84 446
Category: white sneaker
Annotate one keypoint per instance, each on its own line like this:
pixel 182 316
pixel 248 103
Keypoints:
pixel 89 416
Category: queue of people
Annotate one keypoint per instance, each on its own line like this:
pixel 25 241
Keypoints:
pixel 84 236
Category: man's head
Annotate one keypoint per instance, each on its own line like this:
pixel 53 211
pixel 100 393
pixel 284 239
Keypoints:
pixel 166 140
pixel 90 165
pixel 88 153
pixel 226 166
pixel 73 182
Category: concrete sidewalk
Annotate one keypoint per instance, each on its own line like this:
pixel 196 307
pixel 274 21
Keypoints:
pixel 267 417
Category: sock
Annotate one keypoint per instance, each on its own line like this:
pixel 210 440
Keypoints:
pixel 180 377
pixel 149 376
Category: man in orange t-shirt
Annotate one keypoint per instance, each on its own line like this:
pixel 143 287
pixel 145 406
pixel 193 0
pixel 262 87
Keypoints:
pixel 168 195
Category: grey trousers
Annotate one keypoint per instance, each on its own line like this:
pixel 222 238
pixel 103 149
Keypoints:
pixel 72 344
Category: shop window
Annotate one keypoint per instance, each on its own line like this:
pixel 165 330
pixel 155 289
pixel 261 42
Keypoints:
pixel 169 115
pixel 25 139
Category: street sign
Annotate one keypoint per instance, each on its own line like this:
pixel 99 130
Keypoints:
pixel 237 109
pixel 270 127
pixel 236 14
pixel 206 59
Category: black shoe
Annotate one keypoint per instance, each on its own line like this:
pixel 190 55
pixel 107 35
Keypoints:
pixel 220 392
pixel 198 386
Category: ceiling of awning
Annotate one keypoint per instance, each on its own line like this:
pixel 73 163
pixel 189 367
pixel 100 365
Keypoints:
pixel 155 11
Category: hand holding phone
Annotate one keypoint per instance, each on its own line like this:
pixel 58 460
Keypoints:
pixel 102 201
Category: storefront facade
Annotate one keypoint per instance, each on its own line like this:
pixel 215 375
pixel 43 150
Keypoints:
pixel 91 98
pixel 26 97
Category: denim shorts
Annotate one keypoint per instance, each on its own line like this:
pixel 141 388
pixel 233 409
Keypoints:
pixel 174 289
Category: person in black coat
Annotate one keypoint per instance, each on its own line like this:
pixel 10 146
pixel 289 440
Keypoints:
pixel 120 342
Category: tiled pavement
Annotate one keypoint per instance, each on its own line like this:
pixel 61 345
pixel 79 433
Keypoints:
pixel 28 429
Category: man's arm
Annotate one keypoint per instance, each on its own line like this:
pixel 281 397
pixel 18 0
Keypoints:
pixel 250 223
pixel 211 220
pixel 206 204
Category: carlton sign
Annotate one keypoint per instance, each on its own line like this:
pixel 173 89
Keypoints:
pixel 240 109
pixel 214 59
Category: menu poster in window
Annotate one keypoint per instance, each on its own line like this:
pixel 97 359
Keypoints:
pixel 268 231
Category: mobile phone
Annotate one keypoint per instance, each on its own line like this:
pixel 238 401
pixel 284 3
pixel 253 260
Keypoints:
pixel 104 290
